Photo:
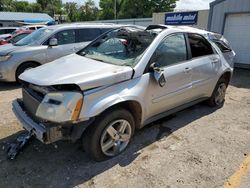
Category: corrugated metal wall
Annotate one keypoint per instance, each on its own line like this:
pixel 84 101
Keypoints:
pixel 220 9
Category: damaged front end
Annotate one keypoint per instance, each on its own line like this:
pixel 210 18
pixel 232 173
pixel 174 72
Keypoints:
pixel 51 113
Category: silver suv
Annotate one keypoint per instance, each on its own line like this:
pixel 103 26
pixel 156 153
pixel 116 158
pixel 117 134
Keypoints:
pixel 122 81
pixel 45 45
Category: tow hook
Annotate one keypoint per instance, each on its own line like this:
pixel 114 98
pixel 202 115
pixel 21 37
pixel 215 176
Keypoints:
pixel 15 147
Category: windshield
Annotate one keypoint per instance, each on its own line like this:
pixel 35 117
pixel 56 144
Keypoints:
pixel 123 46
pixel 18 37
pixel 33 37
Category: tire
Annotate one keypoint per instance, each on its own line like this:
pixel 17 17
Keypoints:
pixel 25 67
pixel 97 140
pixel 218 97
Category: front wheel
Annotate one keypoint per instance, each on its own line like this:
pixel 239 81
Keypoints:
pixel 218 97
pixel 109 135
pixel 24 67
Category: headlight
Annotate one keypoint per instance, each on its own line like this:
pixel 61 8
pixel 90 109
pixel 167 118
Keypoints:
pixel 5 57
pixel 60 107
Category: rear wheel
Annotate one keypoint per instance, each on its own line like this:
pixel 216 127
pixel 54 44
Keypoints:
pixel 109 135
pixel 218 97
pixel 24 67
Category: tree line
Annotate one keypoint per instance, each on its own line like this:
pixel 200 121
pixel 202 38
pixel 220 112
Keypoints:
pixel 88 11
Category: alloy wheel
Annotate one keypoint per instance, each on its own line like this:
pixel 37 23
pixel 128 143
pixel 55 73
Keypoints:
pixel 220 94
pixel 116 137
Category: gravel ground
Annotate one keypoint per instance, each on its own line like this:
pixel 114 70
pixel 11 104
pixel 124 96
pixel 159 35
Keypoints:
pixel 198 147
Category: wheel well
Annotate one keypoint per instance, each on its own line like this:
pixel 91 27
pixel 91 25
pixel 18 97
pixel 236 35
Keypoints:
pixel 34 62
pixel 133 107
pixel 227 76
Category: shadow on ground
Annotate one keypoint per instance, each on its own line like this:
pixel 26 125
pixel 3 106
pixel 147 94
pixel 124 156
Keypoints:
pixel 8 86
pixel 66 165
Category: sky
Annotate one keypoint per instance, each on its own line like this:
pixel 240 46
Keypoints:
pixel 181 4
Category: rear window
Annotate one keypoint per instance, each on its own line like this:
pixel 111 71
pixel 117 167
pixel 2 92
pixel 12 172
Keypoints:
pixel 86 35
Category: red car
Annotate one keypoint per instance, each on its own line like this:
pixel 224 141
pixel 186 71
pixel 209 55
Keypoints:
pixel 16 37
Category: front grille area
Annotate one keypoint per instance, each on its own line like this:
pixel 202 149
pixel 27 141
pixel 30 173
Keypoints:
pixel 30 102
pixel 31 99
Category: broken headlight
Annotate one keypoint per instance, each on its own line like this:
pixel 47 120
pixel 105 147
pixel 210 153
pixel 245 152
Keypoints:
pixel 60 107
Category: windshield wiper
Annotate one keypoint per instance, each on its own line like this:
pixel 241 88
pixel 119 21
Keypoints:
pixel 97 59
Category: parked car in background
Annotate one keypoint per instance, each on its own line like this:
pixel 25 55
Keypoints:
pixel 16 37
pixel 122 81
pixel 32 27
pixel 6 31
pixel 45 45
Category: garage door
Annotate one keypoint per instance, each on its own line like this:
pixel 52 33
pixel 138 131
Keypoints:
pixel 237 31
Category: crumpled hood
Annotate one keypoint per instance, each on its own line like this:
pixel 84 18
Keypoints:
pixel 75 69
pixel 8 48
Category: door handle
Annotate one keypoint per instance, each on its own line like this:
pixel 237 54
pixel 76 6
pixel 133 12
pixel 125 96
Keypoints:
pixel 187 70
pixel 214 60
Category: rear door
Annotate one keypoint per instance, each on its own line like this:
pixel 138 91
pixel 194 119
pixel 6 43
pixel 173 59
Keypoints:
pixel 66 44
pixel 171 56
pixel 205 65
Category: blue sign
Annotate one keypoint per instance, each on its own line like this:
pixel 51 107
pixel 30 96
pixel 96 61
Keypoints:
pixel 181 18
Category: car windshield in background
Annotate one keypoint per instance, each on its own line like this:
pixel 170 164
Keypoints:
pixel 123 46
pixel 33 37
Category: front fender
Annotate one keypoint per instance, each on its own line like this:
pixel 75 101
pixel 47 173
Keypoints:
pixel 132 90
pixel 108 102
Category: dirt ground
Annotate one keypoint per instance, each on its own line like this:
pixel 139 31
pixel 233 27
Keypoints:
pixel 198 147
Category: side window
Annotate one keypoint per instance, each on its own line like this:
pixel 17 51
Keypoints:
pixel 172 50
pixel 86 35
pixel 66 37
pixel 199 45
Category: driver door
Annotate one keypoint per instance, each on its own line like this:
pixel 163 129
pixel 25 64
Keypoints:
pixel 172 58
pixel 66 45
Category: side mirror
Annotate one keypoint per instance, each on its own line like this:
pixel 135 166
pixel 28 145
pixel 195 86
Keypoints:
pixel 53 42
pixel 158 74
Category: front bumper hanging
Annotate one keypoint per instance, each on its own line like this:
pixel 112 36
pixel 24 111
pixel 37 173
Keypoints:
pixel 49 133
pixel 46 134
